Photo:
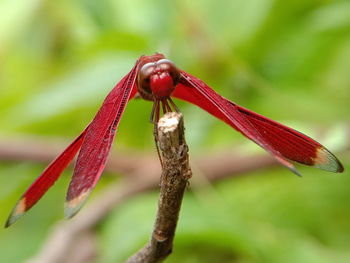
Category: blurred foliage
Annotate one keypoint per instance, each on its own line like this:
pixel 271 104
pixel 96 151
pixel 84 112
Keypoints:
pixel 288 60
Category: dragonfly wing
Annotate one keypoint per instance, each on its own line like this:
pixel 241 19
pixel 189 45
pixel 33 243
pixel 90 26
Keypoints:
pixel 40 186
pixel 97 143
pixel 292 144
pixel 281 141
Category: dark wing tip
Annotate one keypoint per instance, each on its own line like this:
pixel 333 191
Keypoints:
pixel 325 160
pixel 17 212
pixel 72 206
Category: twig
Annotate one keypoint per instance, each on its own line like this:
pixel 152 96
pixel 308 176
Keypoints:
pixel 175 174
pixel 55 249
pixel 60 243
pixel 44 151
pixel 224 164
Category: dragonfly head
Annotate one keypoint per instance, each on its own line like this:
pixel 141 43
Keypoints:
pixel 157 79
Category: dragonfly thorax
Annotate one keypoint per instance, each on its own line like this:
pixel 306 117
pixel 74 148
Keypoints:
pixel 157 79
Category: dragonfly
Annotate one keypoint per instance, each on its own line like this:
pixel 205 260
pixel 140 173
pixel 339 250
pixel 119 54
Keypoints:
pixel 157 79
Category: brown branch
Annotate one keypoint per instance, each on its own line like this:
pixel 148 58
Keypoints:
pixel 60 246
pixel 175 175
pixel 44 151
pixel 223 163
pixel 60 243
pixel 213 167
pixel 227 165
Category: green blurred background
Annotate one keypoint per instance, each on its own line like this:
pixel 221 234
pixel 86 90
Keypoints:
pixel 286 59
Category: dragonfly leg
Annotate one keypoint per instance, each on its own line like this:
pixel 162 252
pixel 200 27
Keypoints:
pixel 155 119
pixel 173 104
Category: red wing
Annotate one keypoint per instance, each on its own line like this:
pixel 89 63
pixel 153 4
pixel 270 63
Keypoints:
pixel 282 142
pixel 40 186
pixel 97 143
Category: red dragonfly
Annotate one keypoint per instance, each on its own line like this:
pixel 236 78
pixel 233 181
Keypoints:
pixel 157 79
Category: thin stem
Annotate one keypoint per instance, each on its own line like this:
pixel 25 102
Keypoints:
pixel 175 175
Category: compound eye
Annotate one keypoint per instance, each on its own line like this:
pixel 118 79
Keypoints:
pixel 168 66
pixel 165 64
pixel 145 73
